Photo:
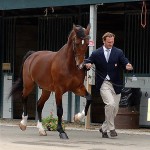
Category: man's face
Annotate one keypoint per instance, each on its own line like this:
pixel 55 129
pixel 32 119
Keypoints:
pixel 109 42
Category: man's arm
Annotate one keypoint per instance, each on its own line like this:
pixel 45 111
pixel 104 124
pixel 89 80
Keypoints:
pixel 89 61
pixel 125 62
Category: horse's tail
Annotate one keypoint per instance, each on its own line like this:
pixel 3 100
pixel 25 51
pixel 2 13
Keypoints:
pixel 17 87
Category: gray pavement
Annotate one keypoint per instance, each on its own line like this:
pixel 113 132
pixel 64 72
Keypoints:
pixel 12 138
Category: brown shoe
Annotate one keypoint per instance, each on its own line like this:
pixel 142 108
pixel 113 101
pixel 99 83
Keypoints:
pixel 104 134
pixel 113 133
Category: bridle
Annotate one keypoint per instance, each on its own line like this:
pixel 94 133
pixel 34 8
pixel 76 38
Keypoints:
pixel 75 47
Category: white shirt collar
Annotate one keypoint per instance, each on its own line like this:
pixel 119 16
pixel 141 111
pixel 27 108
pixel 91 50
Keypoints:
pixel 106 48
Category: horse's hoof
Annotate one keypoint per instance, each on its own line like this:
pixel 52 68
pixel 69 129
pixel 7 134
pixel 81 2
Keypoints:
pixel 78 117
pixel 42 133
pixel 63 135
pixel 22 127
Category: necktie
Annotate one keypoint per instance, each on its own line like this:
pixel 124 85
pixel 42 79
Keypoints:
pixel 107 55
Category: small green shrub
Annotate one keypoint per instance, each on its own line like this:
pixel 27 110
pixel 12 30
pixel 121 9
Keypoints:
pixel 50 123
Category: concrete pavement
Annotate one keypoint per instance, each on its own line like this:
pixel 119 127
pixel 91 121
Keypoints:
pixel 12 138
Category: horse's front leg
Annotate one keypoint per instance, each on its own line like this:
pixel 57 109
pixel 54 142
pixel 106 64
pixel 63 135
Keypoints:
pixel 60 129
pixel 79 116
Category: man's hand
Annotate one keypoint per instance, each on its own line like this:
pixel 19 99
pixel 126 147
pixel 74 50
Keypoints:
pixel 88 65
pixel 129 67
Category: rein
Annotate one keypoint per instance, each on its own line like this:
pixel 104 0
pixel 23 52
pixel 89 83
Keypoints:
pixel 102 77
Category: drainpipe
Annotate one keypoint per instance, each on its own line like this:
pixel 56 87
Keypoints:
pixel 92 46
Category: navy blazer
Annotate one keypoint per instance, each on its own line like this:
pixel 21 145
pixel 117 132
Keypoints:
pixel 117 61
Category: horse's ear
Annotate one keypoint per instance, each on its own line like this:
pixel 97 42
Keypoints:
pixel 88 28
pixel 74 28
pixel 74 25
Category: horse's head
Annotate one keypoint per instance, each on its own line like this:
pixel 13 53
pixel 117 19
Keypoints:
pixel 80 41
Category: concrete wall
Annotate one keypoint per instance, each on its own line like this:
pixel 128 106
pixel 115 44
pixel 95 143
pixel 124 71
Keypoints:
pixel 144 84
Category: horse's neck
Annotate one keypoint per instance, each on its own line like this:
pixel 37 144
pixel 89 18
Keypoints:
pixel 69 47
pixel 68 53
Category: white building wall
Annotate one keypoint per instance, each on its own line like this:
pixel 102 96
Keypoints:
pixel 50 105
pixel 73 107
pixel 82 105
pixel 144 107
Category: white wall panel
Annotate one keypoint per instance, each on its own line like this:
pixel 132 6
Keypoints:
pixel 7 103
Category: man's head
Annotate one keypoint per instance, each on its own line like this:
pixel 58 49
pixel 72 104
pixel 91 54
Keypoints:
pixel 108 39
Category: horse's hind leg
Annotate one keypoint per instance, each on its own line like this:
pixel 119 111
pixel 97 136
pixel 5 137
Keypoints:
pixel 23 123
pixel 26 92
pixel 40 104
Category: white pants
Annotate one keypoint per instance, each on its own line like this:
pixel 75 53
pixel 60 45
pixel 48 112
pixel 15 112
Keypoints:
pixel 111 99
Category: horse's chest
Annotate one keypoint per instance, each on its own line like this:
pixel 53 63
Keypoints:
pixel 78 78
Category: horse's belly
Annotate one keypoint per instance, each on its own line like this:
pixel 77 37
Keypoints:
pixel 45 87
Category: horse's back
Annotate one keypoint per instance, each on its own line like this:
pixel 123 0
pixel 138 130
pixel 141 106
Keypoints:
pixel 37 67
pixel 39 58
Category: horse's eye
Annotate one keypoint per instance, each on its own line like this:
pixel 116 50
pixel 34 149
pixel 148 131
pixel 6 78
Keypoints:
pixel 82 42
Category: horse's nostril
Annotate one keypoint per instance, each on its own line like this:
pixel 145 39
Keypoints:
pixel 77 66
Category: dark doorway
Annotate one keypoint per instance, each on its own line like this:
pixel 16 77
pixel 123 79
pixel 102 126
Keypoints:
pixel 26 39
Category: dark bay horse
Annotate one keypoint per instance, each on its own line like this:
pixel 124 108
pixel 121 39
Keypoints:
pixel 57 72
